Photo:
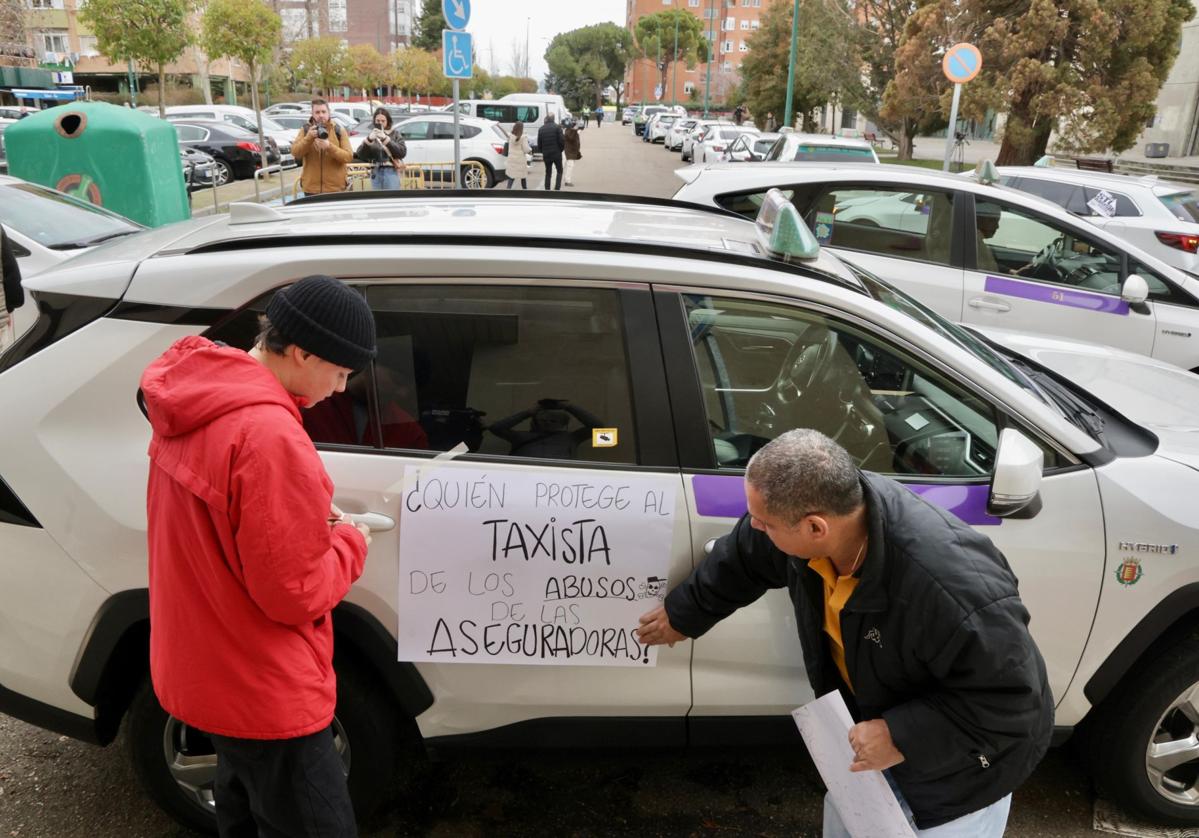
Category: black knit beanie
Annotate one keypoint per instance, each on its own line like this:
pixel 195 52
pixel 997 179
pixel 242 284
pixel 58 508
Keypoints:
pixel 326 317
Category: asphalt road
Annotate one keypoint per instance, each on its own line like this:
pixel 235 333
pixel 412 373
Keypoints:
pixel 56 787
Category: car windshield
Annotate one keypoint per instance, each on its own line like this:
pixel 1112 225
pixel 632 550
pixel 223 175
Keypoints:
pixel 899 301
pixel 1183 205
pixel 58 221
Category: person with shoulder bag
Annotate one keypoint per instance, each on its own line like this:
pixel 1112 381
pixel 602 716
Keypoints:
pixel 385 150
pixel 573 149
pixel 517 150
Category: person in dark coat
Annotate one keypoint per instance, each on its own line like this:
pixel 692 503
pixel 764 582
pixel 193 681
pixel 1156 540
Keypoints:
pixel 551 142
pixel 573 149
pixel 12 294
pixel 385 150
pixel 912 615
pixel 586 121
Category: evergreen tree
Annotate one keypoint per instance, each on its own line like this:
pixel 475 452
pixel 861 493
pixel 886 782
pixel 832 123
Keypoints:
pixel 429 26
pixel 655 35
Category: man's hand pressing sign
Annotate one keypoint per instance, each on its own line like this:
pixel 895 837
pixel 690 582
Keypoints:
pixel 872 746
pixel 655 628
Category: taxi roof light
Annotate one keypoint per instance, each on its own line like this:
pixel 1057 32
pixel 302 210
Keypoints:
pixel 782 232
pixel 986 173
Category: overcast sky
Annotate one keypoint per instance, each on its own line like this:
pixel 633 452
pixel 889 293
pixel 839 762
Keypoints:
pixel 496 24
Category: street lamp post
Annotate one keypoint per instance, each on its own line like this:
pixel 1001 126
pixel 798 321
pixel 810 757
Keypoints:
pixel 674 64
pixel 710 36
pixel 791 64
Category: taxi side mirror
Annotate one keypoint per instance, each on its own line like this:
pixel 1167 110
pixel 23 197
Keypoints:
pixel 1016 484
pixel 1135 290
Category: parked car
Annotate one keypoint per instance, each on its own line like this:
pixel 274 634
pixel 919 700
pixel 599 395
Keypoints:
pixel 354 112
pixel 1156 215
pixel 750 148
pixel 236 151
pixel 678 129
pixel 658 125
pixel 717 140
pixel 695 135
pixel 430 139
pixel 986 255
pixel 243 118
pixel 506 114
pixel 199 169
pixel 699 337
pixel 628 113
pixel 820 148
pixel 548 103
pixel 294 122
pixel 643 116
pixel 288 108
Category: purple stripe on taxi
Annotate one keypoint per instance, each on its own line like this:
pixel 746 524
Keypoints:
pixel 721 496
pixel 1055 295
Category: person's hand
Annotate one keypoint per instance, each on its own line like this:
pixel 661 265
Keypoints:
pixel 312 131
pixel 336 516
pixel 364 529
pixel 872 746
pixel 322 145
pixel 655 628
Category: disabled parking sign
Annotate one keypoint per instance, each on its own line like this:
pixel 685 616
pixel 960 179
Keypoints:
pixel 456 50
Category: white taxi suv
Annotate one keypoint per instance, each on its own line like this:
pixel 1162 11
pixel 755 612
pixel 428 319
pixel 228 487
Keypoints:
pixel 983 254
pixel 695 337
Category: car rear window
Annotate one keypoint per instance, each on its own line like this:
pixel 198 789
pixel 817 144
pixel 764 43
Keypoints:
pixel 730 134
pixel 830 154
pixel 1184 205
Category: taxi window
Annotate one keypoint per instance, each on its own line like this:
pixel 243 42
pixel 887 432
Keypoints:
pixel 893 222
pixel 1012 241
pixel 810 153
pixel 766 368
pixel 518 371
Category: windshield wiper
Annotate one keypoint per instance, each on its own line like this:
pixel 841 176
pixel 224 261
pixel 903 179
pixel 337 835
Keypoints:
pixel 76 245
pixel 1076 410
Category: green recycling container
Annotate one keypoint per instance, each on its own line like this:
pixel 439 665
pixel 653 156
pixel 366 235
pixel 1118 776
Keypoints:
pixel 117 158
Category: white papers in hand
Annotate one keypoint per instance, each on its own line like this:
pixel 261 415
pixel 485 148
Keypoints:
pixel 864 800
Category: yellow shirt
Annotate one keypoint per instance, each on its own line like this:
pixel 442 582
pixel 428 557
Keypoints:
pixel 837 591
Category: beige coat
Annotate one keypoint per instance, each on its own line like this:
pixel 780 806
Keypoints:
pixel 324 171
pixel 519 150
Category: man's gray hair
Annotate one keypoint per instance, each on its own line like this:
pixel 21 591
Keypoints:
pixel 803 472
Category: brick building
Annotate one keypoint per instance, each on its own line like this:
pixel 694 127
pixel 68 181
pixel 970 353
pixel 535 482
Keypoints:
pixel 727 24
pixel 384 24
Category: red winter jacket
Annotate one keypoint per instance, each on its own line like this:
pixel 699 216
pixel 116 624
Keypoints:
pixel 244 566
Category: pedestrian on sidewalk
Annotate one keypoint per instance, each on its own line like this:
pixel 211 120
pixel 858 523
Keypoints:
pixel 323 147
pixel 573 150
pixel 739 114
pixel 249 556
pixel 518 156
pixel 772 124
pixel 551 142
pixel 586 118
pixel 599 116
pixel 385 150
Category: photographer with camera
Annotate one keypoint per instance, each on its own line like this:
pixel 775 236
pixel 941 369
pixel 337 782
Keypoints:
pixel 384 149
pixel 324 148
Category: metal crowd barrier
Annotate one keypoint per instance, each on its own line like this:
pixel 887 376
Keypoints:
pixel 414 176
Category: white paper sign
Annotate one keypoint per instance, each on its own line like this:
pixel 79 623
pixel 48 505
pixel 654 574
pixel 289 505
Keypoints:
pixel 1104 203
pixel 863 799
pixel 530 567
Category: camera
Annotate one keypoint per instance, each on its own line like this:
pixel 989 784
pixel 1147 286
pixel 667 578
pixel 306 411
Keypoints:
pixel 958 135
pixel 322 133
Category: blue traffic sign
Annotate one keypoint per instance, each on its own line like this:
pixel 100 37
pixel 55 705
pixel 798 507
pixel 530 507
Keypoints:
pixel 456 50
pixel 962 63
pixel 456 13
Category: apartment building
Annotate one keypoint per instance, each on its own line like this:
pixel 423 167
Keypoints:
pixel 728 25
pixel 1176 122
pixel 384 24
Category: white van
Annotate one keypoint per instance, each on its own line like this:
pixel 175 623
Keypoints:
pixel 356 111
pixel 505 113
pixel 550 102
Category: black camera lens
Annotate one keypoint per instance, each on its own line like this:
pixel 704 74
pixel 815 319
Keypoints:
pixel 322 133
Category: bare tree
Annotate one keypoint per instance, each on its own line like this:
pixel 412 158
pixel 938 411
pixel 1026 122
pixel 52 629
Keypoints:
pixel 520 58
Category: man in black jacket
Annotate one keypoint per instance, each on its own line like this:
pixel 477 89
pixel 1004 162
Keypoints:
pixel 550 142
pixel 911 614
pixel 12 295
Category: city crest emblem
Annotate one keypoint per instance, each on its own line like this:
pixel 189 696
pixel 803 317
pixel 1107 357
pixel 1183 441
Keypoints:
pixel 1130 572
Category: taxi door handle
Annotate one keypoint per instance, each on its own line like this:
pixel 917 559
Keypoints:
pixel 708 545
pixel 988 305
pixel 373 520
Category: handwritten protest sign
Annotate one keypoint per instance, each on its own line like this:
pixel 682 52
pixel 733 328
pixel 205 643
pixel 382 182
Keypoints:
pixel 548 567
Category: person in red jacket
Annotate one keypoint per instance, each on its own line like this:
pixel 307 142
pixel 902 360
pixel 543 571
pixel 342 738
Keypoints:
pixel 248 556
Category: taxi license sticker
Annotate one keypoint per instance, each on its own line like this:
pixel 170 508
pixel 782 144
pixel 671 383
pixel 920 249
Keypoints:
pixel 824 227
pixel 604 437
pixel 1130 572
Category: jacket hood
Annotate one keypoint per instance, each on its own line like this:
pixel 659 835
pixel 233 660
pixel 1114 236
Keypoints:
pixel 197 381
